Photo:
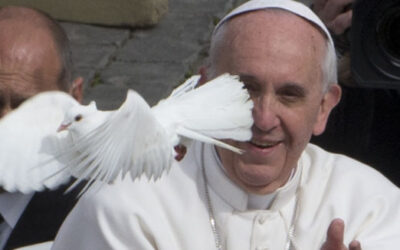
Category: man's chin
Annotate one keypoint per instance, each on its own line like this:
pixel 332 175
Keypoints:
pixel 261 188
pixel 254 174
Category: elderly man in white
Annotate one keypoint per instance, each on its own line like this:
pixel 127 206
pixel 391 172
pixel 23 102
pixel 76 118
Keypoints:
pixel 282 193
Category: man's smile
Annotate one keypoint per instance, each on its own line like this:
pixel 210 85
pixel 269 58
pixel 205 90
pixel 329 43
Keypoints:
pixel 264 144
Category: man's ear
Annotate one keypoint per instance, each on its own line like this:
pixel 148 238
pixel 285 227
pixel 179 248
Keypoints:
pixel 330 99
pixel 76 90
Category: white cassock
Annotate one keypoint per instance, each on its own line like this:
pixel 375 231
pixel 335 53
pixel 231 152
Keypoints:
pixel 172 213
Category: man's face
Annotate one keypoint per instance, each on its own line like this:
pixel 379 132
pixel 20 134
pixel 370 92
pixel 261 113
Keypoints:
pixel 278 56
pixel 29 64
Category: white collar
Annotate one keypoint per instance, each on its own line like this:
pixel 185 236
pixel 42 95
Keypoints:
pixel 237 197
pixel 259 202
pixel 12 205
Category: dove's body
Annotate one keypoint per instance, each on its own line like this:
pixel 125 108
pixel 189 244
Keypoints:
pixel 101 145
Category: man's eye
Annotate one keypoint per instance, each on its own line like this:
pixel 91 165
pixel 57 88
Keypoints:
pixel 289 99
pixel 291 95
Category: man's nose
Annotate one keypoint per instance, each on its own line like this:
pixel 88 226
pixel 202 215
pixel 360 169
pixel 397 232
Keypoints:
pixel 265 113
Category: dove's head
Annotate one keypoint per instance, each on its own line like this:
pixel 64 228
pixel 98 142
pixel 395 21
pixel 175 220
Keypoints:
pixel 78 116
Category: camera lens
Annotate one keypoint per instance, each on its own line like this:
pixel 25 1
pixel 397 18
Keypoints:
pixel 388 31
pixel 375 43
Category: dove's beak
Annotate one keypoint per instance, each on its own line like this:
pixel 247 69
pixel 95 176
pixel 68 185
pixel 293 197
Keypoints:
pixel 63 127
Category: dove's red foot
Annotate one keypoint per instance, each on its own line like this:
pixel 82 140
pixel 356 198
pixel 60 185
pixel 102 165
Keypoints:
pixel 181 151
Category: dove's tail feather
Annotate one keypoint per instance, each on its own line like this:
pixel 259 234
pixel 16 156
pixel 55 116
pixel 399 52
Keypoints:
pixel 197 136
pixel 220 109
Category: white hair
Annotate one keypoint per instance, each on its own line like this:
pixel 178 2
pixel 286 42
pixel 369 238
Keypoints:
pixel 329 66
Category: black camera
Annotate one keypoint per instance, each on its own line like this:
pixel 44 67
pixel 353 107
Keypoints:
pixel 375 43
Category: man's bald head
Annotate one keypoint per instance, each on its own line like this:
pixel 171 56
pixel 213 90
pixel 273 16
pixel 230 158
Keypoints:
pixel 29 38
pixel 34 57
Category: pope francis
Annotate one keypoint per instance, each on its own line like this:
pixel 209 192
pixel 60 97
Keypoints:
pixel 283 192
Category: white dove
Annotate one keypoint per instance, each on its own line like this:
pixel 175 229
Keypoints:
pixel 102 145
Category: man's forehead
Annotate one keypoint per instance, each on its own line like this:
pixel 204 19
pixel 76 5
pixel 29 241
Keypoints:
pixel 35 72
pixel 12 85
pixel 26 82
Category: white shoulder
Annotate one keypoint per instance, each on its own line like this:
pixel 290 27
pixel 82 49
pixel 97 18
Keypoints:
pixel 344 169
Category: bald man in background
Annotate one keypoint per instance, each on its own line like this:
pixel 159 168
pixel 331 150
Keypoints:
pixel 34 57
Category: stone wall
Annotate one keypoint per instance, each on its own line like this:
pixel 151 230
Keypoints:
pixel 130 13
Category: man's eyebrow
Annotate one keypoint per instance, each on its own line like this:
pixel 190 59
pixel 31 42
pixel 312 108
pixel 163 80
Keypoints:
pixel 297 87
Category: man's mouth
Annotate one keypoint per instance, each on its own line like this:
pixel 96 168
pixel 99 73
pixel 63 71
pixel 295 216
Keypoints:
pixel 264 144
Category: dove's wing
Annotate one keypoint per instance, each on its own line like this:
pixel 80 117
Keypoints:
pixel 219 109
pixel 131 139
pixel 29 142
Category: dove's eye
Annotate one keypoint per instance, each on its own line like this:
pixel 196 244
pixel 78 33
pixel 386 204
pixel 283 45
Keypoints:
pixel 78 118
